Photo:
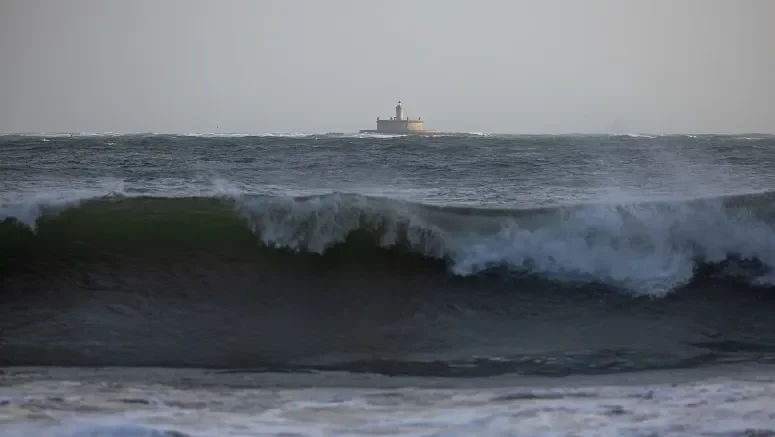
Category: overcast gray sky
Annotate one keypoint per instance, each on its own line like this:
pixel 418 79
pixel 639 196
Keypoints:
pixel 531 66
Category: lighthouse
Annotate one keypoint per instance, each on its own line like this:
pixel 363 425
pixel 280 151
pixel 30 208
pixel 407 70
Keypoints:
pixel 400 124
pixel 399 111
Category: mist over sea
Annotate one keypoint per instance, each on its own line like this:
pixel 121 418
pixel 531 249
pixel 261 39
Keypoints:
pixel 357 284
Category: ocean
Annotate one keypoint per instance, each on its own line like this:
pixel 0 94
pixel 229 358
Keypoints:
pixel 363 285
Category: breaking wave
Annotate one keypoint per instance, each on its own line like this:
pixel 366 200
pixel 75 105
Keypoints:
pixel 643 248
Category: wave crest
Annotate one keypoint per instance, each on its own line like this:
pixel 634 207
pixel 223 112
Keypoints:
pixel 646 248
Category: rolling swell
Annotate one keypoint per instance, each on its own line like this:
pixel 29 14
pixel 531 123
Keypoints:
pixel 646 248
pixel 348 282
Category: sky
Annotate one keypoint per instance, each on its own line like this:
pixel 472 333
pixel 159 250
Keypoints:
pixel 504 66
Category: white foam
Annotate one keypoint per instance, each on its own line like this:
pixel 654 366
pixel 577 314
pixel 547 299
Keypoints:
pixel 242 135
pixel 636 135
pixel 84 404
pixel 28 207
pixel 647 248
pixel 376 135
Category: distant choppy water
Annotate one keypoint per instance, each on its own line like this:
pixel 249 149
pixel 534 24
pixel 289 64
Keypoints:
pixel 461 259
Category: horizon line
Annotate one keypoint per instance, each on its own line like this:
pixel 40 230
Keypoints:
pixel 441 133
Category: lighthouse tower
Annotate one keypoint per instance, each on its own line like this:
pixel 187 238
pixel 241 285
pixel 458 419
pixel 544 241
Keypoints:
pixel 400 111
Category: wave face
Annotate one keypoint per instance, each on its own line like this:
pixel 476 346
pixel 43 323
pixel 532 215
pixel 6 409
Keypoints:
pixel 643 248
pixel 358 283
